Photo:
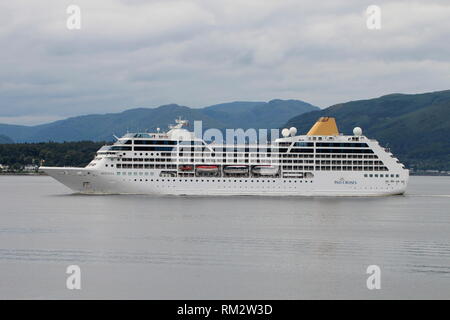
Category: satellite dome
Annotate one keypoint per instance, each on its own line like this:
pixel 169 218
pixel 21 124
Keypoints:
pixel 357 131
pixel 285 132
pixel 293 131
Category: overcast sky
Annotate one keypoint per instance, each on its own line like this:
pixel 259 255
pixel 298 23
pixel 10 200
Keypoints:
pixel 136 53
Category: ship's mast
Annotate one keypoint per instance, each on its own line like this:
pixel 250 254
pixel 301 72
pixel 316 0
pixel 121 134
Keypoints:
pixel 179 123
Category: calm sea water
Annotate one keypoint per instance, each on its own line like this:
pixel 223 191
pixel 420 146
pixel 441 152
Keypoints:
pixel 169 247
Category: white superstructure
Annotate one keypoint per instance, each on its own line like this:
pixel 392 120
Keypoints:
pixel 321 163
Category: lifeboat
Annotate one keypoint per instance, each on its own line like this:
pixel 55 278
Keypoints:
pixel 207 168
pixel 236 169
pixel 266 170
pixel 186 168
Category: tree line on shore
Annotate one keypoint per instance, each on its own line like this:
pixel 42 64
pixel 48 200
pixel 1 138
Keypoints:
pixel 17 156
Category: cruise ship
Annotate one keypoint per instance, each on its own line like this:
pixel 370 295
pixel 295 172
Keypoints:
pixel 323 162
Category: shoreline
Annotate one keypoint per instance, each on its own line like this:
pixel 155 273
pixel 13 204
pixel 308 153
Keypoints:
pixel 23 174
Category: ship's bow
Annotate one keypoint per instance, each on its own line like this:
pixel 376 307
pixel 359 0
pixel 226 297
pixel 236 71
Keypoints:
pixel 77 179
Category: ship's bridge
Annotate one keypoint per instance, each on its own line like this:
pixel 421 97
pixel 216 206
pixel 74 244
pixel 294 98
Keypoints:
pixel 177 132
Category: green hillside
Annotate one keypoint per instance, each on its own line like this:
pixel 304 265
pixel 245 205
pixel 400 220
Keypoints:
pixel 415 126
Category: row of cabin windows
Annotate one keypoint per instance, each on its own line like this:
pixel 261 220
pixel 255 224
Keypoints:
pixel 344 151
pixel 341 154
pixel 342 144
pixel 350 168
pixel 152 142
pixel 282 146
pixel 349 162
pixel 298 167
pixel 219 180
pixel 146 166
pixel 228 149
pixel 335 168
pixel 153 148
pixel 350 156
pixel 149 160
pixel 286 156
pixel 282 155
pixel 241 150
pixel 235 160
pixel 311 144
pixel 381 175
pixel 160 142
pixel 126 148
pixel 297 161
pixel 294 149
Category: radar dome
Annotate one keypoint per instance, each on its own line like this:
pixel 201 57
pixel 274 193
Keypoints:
pixel 285 132
pixel 293 131
pixel 357 131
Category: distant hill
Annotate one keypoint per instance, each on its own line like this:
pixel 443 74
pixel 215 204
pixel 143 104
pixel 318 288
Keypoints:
pixel 415 126
pixel 101 127
pixel 257 114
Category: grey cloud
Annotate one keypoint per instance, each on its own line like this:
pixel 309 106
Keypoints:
pixel 133 53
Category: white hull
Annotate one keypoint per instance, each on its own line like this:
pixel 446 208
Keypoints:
pixel 88 181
